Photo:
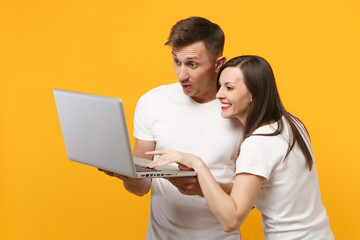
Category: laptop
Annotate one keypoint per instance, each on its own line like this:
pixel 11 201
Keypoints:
pixel 95 133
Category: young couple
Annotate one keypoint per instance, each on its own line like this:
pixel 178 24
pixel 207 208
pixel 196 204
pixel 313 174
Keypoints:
pixel 200 123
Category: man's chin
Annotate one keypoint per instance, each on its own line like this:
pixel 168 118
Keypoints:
pixel 188 93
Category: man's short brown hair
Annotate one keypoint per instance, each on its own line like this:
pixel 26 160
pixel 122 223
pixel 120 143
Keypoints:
pixel 194 29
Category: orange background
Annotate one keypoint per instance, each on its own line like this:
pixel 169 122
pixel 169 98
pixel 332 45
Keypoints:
pixel 115 48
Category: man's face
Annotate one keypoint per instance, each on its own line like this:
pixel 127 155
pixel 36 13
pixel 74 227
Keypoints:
pixel 195 71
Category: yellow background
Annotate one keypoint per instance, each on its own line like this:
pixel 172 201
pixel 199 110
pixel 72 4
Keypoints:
pixel 115 48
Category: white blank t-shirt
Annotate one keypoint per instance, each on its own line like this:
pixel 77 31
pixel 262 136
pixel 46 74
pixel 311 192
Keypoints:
pixel 289 199
pixel 176 122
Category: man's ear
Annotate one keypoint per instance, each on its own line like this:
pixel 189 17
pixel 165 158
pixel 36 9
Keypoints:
pixel 219 62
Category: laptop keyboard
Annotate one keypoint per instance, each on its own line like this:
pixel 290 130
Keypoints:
pixel 145 169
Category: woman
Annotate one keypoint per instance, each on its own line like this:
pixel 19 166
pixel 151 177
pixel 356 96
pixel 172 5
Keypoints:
pixel 275 171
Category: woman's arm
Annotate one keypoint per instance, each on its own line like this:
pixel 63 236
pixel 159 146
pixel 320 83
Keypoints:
pixel 232 210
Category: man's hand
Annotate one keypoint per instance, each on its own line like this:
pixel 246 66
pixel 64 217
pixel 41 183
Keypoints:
pixel 112 174
pixel 185 161
pixel 186 185
pixel 137 186
pixel 190 185
pixel 122 177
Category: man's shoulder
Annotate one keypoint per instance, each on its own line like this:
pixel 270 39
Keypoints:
pixel 172 89
pixel 164 88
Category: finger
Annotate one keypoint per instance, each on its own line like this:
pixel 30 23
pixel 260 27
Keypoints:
pixel 111 174
pixel 153 163
pixel 122 177
pixel 157 152
pixel 104 171
pixel 158 162
pixel 183 180
pixel 166 160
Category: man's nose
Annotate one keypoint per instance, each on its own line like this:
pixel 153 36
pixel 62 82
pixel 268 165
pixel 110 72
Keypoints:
pixel 183 74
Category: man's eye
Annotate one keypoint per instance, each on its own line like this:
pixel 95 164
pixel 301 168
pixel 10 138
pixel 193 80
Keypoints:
pixel 193 65
pixel 176 61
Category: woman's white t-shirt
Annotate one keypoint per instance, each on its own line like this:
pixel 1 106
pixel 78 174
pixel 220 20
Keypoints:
pixel 289 200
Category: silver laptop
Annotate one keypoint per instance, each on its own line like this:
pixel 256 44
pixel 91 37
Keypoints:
pixel 95 133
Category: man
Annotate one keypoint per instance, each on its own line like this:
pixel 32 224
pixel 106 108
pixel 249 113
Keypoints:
pixel 187 117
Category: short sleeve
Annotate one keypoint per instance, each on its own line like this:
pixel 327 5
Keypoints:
pixel 142 120
pixel 254 158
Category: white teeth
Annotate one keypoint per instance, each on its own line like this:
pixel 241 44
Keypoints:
pixel 225 104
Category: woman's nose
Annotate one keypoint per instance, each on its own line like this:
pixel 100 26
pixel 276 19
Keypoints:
pixel 219 94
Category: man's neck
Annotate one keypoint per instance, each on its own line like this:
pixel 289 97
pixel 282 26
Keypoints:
pixel 203 100
pixel 207 96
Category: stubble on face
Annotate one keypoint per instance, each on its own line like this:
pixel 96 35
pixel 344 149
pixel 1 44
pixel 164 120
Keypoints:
pixel 195 72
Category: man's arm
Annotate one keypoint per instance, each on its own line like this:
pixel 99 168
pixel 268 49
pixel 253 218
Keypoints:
pixel 227 187
pixel 190 185
pixel 137 186
pixel 140 186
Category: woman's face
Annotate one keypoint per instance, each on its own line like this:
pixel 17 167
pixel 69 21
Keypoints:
pixel 233 94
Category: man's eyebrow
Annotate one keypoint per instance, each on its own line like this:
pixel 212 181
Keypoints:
pixel 191 58
pixel 187 58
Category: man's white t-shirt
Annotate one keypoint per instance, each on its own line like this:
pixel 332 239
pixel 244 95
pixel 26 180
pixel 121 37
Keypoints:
pixel 176 122
pixel 289 199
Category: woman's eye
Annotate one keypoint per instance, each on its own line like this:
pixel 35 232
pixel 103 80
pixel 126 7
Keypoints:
pixel 229 88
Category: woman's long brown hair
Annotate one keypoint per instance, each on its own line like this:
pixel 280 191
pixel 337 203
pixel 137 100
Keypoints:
pixel 266 105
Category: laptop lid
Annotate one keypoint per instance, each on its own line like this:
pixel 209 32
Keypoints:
pixel 95 133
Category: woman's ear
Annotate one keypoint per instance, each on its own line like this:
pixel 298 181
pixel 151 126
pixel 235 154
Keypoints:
pixel 219 62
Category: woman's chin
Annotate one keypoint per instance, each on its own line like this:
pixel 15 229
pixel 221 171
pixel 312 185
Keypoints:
pixel 224 115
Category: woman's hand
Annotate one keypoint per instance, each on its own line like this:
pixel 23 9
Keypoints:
pixel 167 157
